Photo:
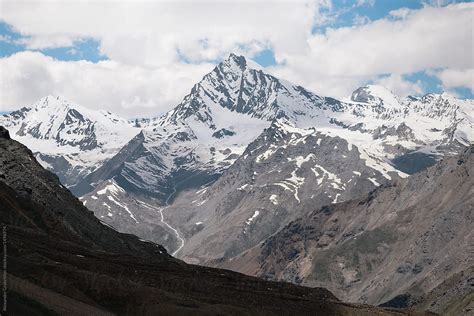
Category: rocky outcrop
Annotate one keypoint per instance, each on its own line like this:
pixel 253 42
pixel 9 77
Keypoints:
pixel 4 134
pixel 282 175
pixel 62 260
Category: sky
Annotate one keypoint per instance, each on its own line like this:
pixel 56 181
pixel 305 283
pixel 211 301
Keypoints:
pixel 140 58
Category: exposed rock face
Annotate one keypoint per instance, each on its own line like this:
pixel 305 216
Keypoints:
pixel 53 210
pixel 4 133
pixel 134 214
pixel 245 153
pixel 282 175
pixel 62 260
pixel 232 105
pixel 407 242
pixel 66 138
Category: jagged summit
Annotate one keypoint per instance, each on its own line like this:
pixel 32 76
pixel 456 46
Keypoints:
pixel 55 121
pixel 225 112
pixel 241 86
pixel 237 100
pixel 68 138
pixel 234 61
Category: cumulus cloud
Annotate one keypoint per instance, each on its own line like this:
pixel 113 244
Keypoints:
pixel 452 78
pixel 398 85
pixel 152 33
pixel 158 49
pixel 400 13
pixel 125 89
pixel 360 19
pixel 422 39
pixel 425 39
pixel 51 41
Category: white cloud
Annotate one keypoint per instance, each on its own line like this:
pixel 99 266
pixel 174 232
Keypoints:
pixel 145 40
pixel 401 13
pixel 422 39
pixel 151 33
pixel 127 90
pixel 360 19
pixel 452 78
pixel 398 85
pixel 369 3
pixel 50 41
pixel 438 3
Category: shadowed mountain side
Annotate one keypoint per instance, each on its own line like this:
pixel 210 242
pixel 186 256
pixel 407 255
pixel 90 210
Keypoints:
pixel 62 260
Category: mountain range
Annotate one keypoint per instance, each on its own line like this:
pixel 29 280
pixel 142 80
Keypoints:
pixel 68 139
pixel 406 243
pixel 224 175
pixel 62 260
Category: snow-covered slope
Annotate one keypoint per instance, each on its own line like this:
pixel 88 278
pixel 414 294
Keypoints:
pixel 236 86
pixel 208 131
pixel 68 139
pixel 283 174
pixel 313 146
pixel 236 121
pixel 435 119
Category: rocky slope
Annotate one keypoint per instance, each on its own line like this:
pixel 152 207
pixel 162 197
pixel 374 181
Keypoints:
pixel 409 242
pixel 131 213
pixel 62 260
pixel 245 153
pixel 231 106
pixel 282 175
pixel 68 139
pixel 51 208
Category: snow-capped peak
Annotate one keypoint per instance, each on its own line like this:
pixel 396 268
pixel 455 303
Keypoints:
pixel 56 119
pixel 442 106
pixel 51 102
pixel 234 63
pixel 239 85
pixel 376 96
pixel 76 136
pixel 238 62
pixel 59 105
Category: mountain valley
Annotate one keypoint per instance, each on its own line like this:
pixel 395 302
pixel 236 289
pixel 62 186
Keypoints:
pixel 62 260
pixel 368 196
pixel 402 240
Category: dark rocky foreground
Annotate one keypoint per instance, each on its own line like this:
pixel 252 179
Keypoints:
pixel 62 260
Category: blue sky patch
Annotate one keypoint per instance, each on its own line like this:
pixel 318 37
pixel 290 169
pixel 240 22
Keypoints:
pixel 8 38
pixel 463 92
pixel 87 49
pixel 83 49
pixel 346 13
pixel 265 58
pixel 429 82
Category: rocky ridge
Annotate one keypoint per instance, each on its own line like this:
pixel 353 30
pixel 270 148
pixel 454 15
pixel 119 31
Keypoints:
pixel 406 243
pixel 68 139
pixel 62 260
